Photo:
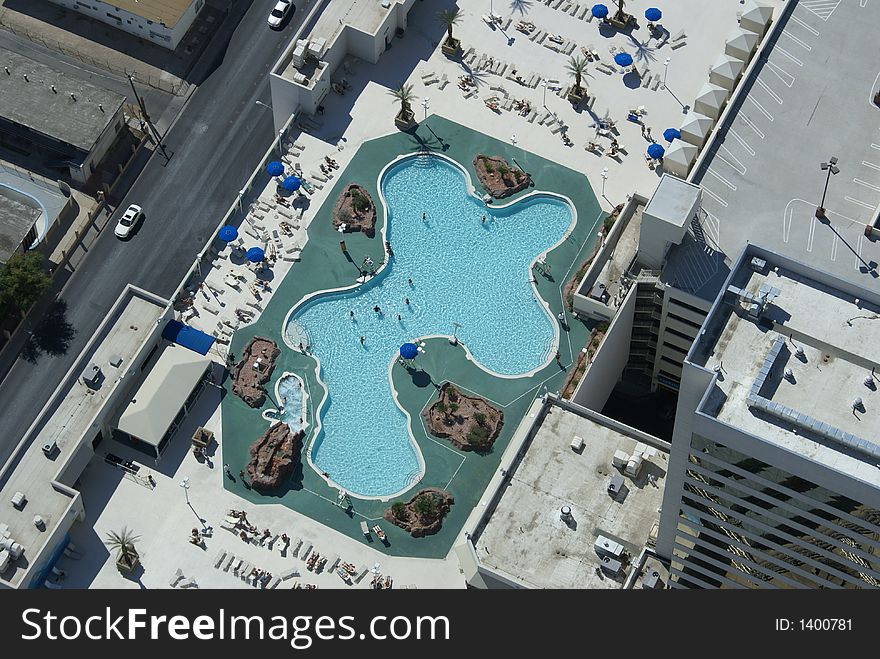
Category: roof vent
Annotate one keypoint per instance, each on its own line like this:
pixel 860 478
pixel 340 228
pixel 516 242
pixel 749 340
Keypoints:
pixel 54 91
pixel 789 375
pixel 72 96
pixel 100 107
pixel 869 382
pixel 6 68
pixel 800 352
pixel 858 405
pixel 24 75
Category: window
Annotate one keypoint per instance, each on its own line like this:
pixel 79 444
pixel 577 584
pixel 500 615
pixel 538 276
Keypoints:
pixel 683 320
pixel 680 335
pixel 687 306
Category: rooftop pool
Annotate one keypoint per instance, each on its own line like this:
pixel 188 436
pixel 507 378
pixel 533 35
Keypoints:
pixel 459 267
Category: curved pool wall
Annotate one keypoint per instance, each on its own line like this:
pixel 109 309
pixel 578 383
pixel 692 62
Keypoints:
pixel 362 441
pixel 291 395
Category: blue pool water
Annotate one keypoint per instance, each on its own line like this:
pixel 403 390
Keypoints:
pixel 464 271
pixel 290 397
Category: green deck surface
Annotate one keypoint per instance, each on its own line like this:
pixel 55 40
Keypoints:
pixel 324 266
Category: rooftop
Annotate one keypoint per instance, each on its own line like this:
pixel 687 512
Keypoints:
pixel 66 419
pixel 762 179
pixel 167 12
pixel 17 218
pixel 32 103
pixel 526 538
pixel 810 411
pixel 672 200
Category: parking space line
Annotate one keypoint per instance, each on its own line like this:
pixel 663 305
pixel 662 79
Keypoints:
pixel 744 144
pixel 714 196
pixel 871 165
pixel 860 203
pixel 820 8
pixel 751 124
pixel 798 41
pixel 875 146
pixel 721 178
pixel 834 241
pixel 772 93
pixel 811 233
pixel 794 59
pixel 779 72
pixel 739 168
pixel 760 107
pixel 786 221
pixel 714 226
pixel 805 25
pixel 867 185
pixel 859 251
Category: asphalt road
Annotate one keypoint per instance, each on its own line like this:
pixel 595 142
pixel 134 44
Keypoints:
pixel 215 144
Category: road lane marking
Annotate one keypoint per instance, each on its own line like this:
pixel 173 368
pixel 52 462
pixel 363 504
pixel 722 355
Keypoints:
pixel 739 168
pixel 805 25
pixel 821 8
pixel 811 233
pixel 871 165
pixel 751 124
pixel 834 240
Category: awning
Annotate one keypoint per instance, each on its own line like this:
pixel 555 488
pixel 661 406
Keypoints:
pixel 162 394
pixel 188 337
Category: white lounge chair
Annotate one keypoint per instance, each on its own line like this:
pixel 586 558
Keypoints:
pixel 220 556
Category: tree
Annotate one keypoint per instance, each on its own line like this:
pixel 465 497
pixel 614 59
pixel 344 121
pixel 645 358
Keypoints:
pixel 23 281
pixel 441 407
pixel 398 509
pixel 425 506
pixel 451 392
pixel 453 407
pixel 577 67
pixel 478 437
pixel 480 418
pixel 405 95
pixel 123 542
pixel 448 19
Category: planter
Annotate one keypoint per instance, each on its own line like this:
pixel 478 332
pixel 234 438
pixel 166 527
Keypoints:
pixel 576 96
pixel 451 48
pixel 622 20
pixel 405 121
pixel 123 566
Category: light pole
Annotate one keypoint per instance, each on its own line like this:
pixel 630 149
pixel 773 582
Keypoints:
pixel 513 139
pixel 832 168
pixel 147 119
pixel 544 85
pixel 265 105
pixel 604 178
pixel 185 485
pixel 665 71
pixel 425 106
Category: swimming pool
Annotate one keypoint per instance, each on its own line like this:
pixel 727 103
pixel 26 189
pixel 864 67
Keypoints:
pixel 290 395
pixel 465 269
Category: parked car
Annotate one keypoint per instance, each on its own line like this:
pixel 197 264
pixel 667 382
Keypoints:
pixel 282 8
pixel 129 220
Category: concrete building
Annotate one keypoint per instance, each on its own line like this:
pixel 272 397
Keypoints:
pixel 308 69
pixel 66 122
pixel 773 475
pixel 131 376
pixel 574 505
pixel 164 22
pixel 29 210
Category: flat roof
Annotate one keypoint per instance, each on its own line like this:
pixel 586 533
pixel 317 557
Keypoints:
pixel 673 200
pixel 761 176
pixel 66 419
pixel 525 536
pixel 33 104
pixel 157 401
pixel 840 347
pixel 167 12
pixel 17 218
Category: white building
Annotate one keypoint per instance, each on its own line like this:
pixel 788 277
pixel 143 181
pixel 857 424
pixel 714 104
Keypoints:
pixel 773 476
pixel 307 70
pixel 164 22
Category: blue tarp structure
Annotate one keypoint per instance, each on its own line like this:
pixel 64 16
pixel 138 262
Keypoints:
pixel 188 337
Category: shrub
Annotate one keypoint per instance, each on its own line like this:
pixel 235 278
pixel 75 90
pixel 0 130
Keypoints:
pixel 480 418
pixel 452 392
pixel 453 407
pixel 489 166
pixel 424 506
pixel 398 509
pixel 504 170
pixel 607 224
pixel 441 407
pixel 478 437
pixel 359 202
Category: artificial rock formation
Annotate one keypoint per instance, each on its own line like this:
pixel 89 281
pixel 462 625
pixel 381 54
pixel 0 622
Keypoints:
pixel 469 422
pixel 249 376
pixel 498 178
pixel 273 456
pixel 419 524
pixel 355 209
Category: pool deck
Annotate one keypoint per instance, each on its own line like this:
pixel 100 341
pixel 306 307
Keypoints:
pixel 323 266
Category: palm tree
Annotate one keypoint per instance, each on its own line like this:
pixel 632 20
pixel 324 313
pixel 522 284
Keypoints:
pixel 577 66
pixel 405 95
pixel 448 18
pixel 123 542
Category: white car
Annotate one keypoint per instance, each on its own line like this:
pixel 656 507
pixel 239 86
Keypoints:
pixel 132 215
pixel 280 11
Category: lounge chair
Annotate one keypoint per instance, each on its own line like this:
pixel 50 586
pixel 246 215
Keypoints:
pixel 306 551
pixel 220 556
pixel 176 578
pixel 274 583
pixel 332 563
pixel 361 574
pixel 289 574
pixel 678 44
pixel 295 544
pixel 364 528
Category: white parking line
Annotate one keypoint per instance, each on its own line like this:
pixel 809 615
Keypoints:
pixel 786 221
pixel 794 59
pixel 721 178
pixel 714 196
pixel 799 42
pixel 867 185
pixel 751 124
pixel 739 168
pixel 772 93
pixel 871 165
pixel 821 8
pixel 875 146
pixel 744 144
pixel 714 226
pixel 859 251
pixel 760 107
pixel 811 234
pixel 780 72
pixel 834 240
pixel 805 25
pixel 860 203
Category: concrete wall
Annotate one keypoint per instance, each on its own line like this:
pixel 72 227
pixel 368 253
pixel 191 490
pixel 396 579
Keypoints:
pixel 608 363
pixel 657 235
pixel 158 33
pixel 102 146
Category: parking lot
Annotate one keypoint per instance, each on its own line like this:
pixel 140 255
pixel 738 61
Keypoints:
pixel 812 98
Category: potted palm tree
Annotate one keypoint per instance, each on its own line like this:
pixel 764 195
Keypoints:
pixel 452 46
pixel 127 558
pixel 406 118
pixel 577 67
pixel 621 19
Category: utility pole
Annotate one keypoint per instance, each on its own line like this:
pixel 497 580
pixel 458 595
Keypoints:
pixel 147 119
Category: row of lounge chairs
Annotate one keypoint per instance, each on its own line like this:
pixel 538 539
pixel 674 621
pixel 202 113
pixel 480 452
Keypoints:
pixel 580 11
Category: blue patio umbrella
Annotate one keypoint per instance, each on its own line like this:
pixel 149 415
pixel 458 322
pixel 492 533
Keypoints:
pixel 409 351
pixel 291 183
pixel 275 168
pixel 600 11
pixel 623 59
pixel 656 151
pixel 653 14
pixel 671 134
pixel 256 254
pixel 227 234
